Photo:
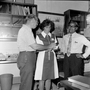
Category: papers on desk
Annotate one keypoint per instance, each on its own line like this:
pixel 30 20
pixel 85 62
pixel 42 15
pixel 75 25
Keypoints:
pixel 80 80
pixel 80 87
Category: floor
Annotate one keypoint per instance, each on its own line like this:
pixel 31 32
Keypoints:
pixel 16 83
pixel 16 87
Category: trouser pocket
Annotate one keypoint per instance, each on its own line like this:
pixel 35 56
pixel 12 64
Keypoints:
pixel 21 60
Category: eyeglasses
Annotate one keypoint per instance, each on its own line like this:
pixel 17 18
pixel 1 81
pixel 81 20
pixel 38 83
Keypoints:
pixel 72 26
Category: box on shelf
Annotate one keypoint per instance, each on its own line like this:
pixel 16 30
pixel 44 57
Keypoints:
pixel 29 1
pixel 19 1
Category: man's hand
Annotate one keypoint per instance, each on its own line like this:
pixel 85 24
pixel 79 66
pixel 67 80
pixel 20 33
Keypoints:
pixel 79 56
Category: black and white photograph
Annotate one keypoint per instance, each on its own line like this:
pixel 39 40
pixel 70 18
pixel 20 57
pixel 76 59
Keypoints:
pixel 44 44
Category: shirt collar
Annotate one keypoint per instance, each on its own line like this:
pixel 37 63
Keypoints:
pixel 44 34
pixel 73 34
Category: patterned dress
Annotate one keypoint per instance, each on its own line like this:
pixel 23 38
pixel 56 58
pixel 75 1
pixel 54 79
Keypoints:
pixel 46 66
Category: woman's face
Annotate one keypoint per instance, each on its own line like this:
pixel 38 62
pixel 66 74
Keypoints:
pixel 47 28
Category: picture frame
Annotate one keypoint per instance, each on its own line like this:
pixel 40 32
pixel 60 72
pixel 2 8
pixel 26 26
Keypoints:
pixel 57 18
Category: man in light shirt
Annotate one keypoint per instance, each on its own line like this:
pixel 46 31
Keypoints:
pixel 27 52
pixel 74 63
pixel 87 29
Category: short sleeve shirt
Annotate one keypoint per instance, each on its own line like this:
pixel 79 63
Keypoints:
pixel 25 39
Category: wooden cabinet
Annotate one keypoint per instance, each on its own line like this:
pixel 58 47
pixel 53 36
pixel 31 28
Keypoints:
pixel 76 15
pixel 12 15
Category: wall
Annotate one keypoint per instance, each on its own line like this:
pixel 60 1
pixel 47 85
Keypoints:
pixel 8 47
pixel 6 68
pixel 61 6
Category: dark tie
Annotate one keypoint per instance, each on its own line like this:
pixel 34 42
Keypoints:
pixel 69 45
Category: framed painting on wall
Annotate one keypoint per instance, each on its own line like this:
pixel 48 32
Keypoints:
pixel 57 18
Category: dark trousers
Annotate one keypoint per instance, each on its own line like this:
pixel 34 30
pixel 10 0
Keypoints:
pixel 26 63
pixel 73 66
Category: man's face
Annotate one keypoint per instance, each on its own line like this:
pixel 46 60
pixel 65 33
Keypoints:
pixel 34 23
pixel 72 28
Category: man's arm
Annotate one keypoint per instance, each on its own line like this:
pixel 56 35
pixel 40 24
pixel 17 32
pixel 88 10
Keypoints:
pixel 40 46
pixel 43 47
pixel 87 51
pixel 86 42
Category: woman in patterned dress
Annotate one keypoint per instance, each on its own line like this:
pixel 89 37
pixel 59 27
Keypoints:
pixel 46 66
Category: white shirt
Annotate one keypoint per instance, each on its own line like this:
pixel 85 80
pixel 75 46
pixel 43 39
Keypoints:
pixel 87 31
pixel 25 39
pixel 77 44
pixel 44 35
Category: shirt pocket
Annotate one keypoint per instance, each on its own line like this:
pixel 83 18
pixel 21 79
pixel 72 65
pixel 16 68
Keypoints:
pixel 76 43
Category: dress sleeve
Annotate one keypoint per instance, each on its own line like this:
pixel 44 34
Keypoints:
pixel 38 41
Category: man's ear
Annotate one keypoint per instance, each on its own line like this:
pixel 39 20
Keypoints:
pixel 76 28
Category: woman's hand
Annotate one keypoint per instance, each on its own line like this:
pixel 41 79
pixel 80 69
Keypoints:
pixel 79 56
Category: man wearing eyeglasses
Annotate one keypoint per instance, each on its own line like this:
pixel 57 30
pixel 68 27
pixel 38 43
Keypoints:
pixel 73 45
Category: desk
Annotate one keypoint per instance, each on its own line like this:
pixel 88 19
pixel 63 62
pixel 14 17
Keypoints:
pixel 9 67
pixel 68 84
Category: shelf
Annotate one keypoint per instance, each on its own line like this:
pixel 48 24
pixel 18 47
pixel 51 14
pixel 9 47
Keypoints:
pixel 7 25
pixel 5 14
pixel 12 15
pixel 14 8
pixel 6 62
pixel 17 3
pixel 8 39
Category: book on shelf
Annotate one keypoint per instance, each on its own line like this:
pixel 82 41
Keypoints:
pixel 5 8
pixel 80 80
pixel 20 10
pixel 26 10
pixel 15 10
pixel 34 11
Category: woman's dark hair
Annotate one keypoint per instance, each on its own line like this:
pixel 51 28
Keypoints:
pixel 38 26
pixel 47 22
